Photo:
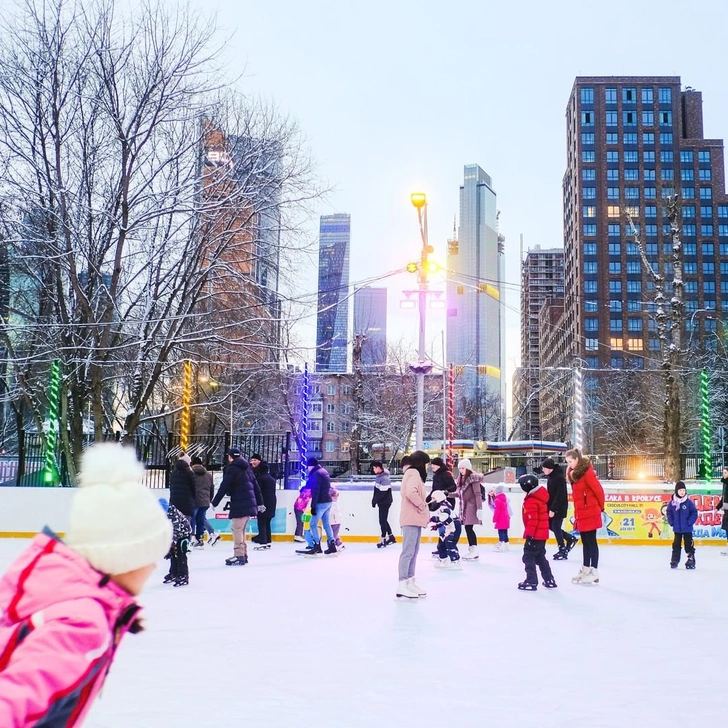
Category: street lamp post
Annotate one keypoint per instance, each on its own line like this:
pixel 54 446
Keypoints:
pixel 419 200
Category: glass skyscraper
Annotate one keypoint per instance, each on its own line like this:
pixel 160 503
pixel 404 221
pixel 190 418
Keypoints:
pixel 370 320
pixel 332 323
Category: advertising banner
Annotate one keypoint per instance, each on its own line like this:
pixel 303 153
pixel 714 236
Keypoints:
pixel 642 516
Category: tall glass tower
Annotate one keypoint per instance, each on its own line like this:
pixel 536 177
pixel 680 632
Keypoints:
pixel 370 320
pixel 332 324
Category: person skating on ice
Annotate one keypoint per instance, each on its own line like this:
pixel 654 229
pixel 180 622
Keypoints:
pixel 498 502
pixel 320 483
pixel 471 504
pixel 681 514
pixel 558 508
pixel 588 496
pixel 267 485
pixel 179 573
pixel 335 518
pixel 536 532
pixel 722 507
pixel 382 500
pixel 447 524
pixel 299 509
pixel 204 493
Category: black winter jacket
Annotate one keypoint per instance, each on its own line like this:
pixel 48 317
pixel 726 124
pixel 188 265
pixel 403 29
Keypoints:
pixel 240 484
pixel 558 495
pixel 442 479
pixel 320 483
pixel 267 485
pixel 382 496
pixel 182 488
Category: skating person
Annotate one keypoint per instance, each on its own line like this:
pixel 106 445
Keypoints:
pixel 413 517
pixel 681 515
pixel 240 484
pixel 382 499
pixel 183 488
pixel 66 604
pixel 335 518
pixel 471 504
pixel 299 508
pixel 204 491
pixel 588 496
pixel 442 479
pixel 447 524
pixel 536 532
pixel 558 508
pixel 722 506
pixel 320 483
pixel 267 485
pixel 498 501
pixel 179 573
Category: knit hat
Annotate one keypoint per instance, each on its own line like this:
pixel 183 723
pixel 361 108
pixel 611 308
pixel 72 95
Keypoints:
pixel 548 463
pixel 186 458
pixel 438 496
pixel 500 489
pixel 438 461
pixel 255 456
pixel 312 463
pixel 115 522
pixel 680 486
pixel 465 463
pixel 406 460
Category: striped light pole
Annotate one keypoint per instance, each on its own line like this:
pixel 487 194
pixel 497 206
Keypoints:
pixel 705 424
pixel 184 429
pixel 303 428
pixel 50 470
pixel 578 409
pixel 450 413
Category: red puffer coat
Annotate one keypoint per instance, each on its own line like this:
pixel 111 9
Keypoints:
pixel 536 514
pixel 588 496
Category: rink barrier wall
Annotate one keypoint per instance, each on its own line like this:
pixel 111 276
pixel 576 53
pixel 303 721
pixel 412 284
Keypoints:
pixel 632 513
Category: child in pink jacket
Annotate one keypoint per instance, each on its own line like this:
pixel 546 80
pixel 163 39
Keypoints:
pixel 498 501
pixel 64 606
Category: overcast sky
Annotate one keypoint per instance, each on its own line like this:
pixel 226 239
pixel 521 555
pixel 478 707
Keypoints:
pixel 397 96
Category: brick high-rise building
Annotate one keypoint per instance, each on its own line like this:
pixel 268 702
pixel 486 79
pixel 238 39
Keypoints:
pixel 542 278
pixel 633 142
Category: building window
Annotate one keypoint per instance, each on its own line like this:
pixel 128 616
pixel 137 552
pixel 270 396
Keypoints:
pixel 615 286
pixel 704 175
pixel 634 324
pixel 613 229
pixel 648 157
pixel 634 344
pixel 615 342
pixel 330 408
pixel 686 155
pixel 666 118
pixel 587 140
pixel 651 231
pixel 628 231
pixel 615 324
pixel 612 138
pixel 629 95
pixel 723 267
pixel 610 95
pixel 667 175
pixel 706 211
pixel 690 230
pixel 590 267
pixel 688 249
pixel 688 211
pixel 667 157
pixel 588 174
pixel 611 118
pixel 649 175
pixel 591 324
pixel 587 118
pixel 631 175
pixel 316 406
pixel 592 344
pixel 708 287
pixel 634 267
pixel 708 268
pixel 687 175
pixel 330 427
pixel 315 425
pixel 647 96
pixel 615 249
pixel 706 193
pixel 634 286
pixel 654 345
pixel 615 305
pixel 706 230
pixel 613 211
pixel 634 305
pixel 688 193
pixel 650 210
pixel 690 269
pixel 665 95
pixel 590 286
pixel 612 193
pixel 330 389
pixel 613 157
pixel 330 446
pixel 346 389
pixel 592 362
pixel 666 138
pixel 648 139
pixel 590 249
pixel 587 95
pixel 651 249
pixel 650 193
pixel 722 210
pixel 648 118
pixel 589 211
pixel 588 156
pixel 630 138
pixel 704 156
pixel 613 175
pixel 723 247
pixel 615 267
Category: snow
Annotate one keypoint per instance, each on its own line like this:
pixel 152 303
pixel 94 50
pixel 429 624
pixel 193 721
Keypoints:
pixel 288 641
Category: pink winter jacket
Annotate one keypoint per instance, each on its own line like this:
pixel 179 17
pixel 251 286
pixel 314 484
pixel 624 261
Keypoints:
pixel 414 510
pixel 60 624
pixel 501 517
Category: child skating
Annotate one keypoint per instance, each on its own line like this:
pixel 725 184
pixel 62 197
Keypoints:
pixel 179 573
pixel 498 502
pixel 681 515
pixel 536 532
pixel 448 525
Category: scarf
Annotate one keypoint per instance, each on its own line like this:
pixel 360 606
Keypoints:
pixel 677 502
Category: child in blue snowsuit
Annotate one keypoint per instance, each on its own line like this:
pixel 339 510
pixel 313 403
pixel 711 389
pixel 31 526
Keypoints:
pixel 681 515
pixel 449 527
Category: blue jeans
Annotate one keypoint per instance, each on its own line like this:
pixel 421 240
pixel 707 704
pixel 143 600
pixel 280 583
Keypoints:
pixel 410 547
pixel 312 534
pixel 198 521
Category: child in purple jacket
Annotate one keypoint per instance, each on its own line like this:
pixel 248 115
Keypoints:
pixel 65 606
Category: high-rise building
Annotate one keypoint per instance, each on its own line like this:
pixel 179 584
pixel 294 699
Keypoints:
pixel 332 324
pixel 370 321
pixel 633 143
pixel 474 309
pixel 542 279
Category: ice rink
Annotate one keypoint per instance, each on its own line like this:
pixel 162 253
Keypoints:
pixel 293 641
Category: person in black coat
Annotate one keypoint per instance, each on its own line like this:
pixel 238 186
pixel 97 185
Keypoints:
pixel 722 506
pixel 320 482
pixel 267 485
pixel 382 499
pixel 558 506
pixel 182 487
pixel 442 479
pixel 246 501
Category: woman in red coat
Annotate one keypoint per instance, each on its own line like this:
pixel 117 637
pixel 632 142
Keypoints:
pixel 588 496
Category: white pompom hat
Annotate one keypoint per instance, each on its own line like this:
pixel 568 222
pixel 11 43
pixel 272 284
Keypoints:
pixel 465 463
pixel 116 523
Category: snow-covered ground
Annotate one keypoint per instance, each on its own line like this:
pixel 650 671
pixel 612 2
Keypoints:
pixel 291 641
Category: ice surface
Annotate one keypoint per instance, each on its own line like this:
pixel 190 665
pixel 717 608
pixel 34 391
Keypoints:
pixel 289 641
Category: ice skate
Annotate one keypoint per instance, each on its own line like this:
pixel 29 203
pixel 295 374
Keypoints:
pixel 591 577
pixel 690 562
pixel 382 542
pixel 262 547
pixel 442 563
pixel 499 547
pixel 571 541
pixel 182 581
pixel 549 583
pixel 673 564
pixel 331 550
pixel 582 573
pixel 237 561
pixel 198 544
pixel 168 579
pixel 472 553
pixel 561 555
pixel 405 590
pixel 527 586
pixel 213 539
pixel 416 588
pixel 455 565
pixel 299 539
pixel 390 540
pixel 314 550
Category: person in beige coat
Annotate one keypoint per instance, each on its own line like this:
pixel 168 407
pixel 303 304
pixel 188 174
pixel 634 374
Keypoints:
pixel 413 517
